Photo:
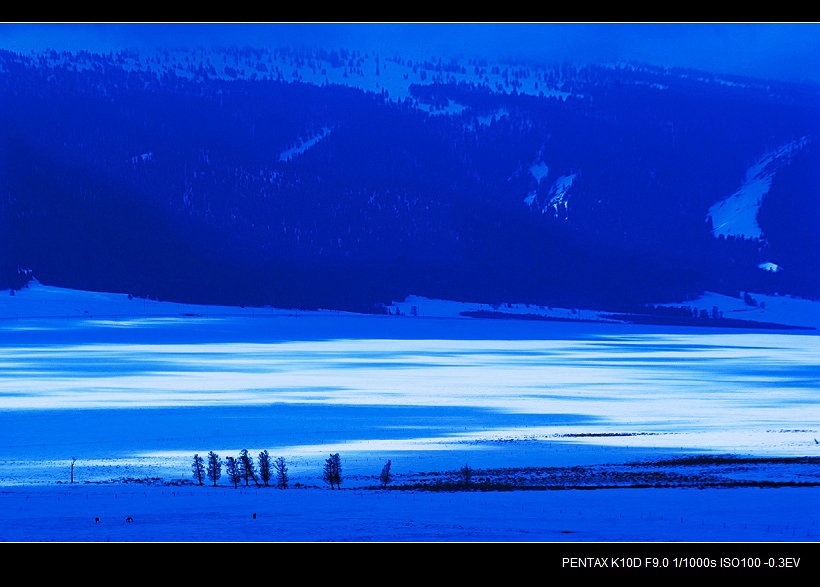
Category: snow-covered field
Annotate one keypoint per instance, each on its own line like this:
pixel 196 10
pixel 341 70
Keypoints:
pixel 697 434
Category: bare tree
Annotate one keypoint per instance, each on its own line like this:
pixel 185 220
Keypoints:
pixel 281 472
pixel 214 467
pixel 232 467
pixel 385 477
pixel 327 473
pixel 198 468
pixel 247 470
pixel 337 467
pixel 332 471
pixel 73 460
pixel 265 467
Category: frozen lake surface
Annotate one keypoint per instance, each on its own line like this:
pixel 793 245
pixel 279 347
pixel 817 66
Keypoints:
pixel 137 397
pixel 134 397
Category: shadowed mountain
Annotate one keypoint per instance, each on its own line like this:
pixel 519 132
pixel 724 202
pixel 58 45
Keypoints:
pixel 345 180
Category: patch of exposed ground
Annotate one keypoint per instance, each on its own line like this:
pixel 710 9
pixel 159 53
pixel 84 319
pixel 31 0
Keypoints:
pixel 689 471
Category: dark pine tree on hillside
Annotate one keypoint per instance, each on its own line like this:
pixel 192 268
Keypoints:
pixel 214 467
pixel 265 467
pixel 198 468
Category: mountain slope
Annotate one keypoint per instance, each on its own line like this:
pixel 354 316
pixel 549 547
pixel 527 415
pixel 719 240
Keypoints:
pixel 348 179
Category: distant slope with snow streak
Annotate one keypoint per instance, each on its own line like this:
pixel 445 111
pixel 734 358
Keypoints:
pixel 737 214
pixel 304 145
pixel 416 172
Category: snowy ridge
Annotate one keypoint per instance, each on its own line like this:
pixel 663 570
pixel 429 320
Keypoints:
pixel 365 70
pixel 44 301
pixel 41 301
pixel 766 308
pixel 36 300
pixel 786 310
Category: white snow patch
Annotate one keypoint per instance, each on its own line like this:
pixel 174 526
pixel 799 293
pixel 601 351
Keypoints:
pixel 145 157
pixel 452 108
pixel 304 145
pixel 737 214
pixel 558 192
pixel 558 196
pixel 539 170
pixel 769 266
pixel 489 118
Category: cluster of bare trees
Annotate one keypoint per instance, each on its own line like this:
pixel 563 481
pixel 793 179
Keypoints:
pixel 242 468
pixel 332 471
pixel 266 471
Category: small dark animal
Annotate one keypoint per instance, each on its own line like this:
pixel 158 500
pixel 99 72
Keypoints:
pixel 254 516
pixel 129 519
pixel 97 520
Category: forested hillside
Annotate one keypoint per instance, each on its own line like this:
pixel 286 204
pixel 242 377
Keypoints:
pixel 250 177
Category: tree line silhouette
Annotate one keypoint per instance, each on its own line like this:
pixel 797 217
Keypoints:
pixel 263 472
pixel 266 471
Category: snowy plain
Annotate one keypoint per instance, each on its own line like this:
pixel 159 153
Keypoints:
pixel 134 388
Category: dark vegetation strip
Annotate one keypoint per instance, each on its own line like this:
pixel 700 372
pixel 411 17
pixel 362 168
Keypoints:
pixel 452 487
pixel 510 316
pixel 643 319
pixel 732 460
pixel 706 322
